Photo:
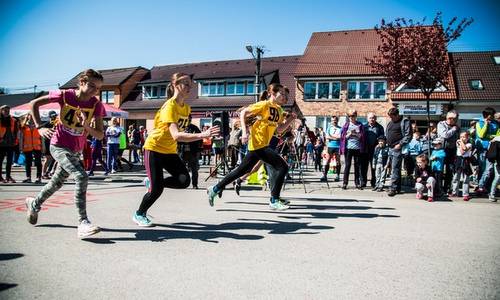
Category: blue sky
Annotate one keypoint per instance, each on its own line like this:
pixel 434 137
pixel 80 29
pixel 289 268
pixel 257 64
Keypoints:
pixel 48 42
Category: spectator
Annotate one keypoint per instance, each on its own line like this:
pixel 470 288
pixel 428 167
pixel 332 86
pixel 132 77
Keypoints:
pixel 8 141
pixel 424 178
pixel 96 154
pixel 207 148
pixel 493 155
pixel 373 131
pixel 352 144
pixel 318 150
pixel 486 130
pixel 448 131
pixel 381 163
pixel 113 138
pixel 309 153
pixel 134 138
pixel 190 152
pixel 398 133
pixel 333 147
pixel 49 160
pixel 31 146
pixel 430 135
pixel 437 164
pixel 234 144
pixel 462 166
pixel 414 149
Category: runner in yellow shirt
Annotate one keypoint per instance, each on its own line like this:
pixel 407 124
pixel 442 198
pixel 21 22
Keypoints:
pixel 269 118
pixel 161 146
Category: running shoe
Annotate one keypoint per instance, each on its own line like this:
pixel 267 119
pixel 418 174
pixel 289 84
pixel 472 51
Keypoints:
pixel 86 229
pixel 211 195
pixel 278 205
pixel 31 212
pixel 142 220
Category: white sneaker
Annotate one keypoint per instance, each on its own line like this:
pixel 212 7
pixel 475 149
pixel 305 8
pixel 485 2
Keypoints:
pixel 278 205
pixel 86 229
pixel 492 199
pixel 31 212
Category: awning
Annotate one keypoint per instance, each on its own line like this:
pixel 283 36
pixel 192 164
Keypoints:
pixel 23 109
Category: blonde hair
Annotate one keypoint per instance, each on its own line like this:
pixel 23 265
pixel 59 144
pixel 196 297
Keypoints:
pixel 173 82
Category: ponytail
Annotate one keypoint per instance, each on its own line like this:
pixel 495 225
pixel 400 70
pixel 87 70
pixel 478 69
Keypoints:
pixel 170 90
pixel 264 95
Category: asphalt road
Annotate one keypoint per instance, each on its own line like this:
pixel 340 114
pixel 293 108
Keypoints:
pixel 331 244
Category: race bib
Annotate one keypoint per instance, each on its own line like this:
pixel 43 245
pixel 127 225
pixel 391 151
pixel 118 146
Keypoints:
pixel 69 120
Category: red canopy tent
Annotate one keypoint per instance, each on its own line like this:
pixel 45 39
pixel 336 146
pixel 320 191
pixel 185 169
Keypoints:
pixel 23 109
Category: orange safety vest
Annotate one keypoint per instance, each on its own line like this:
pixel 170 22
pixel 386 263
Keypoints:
pixel 31 139
pixel 3 130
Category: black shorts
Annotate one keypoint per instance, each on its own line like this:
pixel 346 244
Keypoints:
pixel 218 150
pixel 333 150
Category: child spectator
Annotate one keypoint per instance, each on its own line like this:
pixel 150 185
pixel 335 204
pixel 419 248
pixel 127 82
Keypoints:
pixel 437 164
pixel 414 150
pixel 424 179
pixel 309 151
pixel 318 150
pixel 381 163
pixel 462 166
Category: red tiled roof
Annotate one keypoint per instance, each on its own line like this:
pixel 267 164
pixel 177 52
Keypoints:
pixel 285 65
pixel 477 65
pixel 339 53
pixel 112 77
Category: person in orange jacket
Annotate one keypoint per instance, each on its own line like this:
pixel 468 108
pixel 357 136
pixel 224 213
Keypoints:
pixel 8 141
pixel 31 146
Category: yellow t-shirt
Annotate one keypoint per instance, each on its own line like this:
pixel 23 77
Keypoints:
pixel 160 140
pixel 269 116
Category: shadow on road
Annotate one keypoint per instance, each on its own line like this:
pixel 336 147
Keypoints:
pixel 290 214
pixel 203 232
pixel 6 286
pixel 315 207
pixel 312 198
pixel 9 256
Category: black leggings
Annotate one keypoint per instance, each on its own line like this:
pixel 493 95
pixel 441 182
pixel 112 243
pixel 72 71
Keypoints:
pixel 155 163
pixel 268 156
pixel 9 153
pixel 37 155
pixel 348 155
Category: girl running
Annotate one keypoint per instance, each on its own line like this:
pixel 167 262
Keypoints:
pixel 161 146
pixel 78 108
pixel 269 118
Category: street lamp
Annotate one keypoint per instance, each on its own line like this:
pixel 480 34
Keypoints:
pixel 256 52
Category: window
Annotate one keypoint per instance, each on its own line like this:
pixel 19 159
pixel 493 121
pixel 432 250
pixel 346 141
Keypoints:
pixel 321 90
pixel 146 90
pixel 212 89
pixel 379 90
pixel 496 59
pixel 310 90
pixel 107 96
pixel 335 90
pixel 366 90
pixel 476 84
pixel 154 91
pixel 323 122
pixel 230 88
pixel 240 88
pixel 351 90
pixel 163 91
pixel 205 122
pixel 250 87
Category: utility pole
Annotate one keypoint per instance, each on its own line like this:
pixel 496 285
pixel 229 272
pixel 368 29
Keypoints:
pixel 256 52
